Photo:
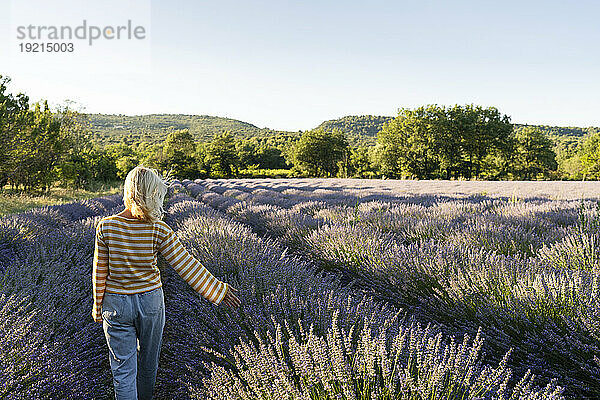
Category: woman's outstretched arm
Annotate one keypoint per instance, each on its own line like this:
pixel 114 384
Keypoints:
pixel 189 268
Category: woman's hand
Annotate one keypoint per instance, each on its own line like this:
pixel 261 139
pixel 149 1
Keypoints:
pixel 230 298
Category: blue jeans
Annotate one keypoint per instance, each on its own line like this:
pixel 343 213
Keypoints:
pixel 133 326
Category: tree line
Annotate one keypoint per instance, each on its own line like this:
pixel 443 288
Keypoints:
pixel 433 142
pixel 42 148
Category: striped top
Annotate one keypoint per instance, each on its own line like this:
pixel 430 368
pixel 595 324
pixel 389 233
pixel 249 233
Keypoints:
pixel 125 261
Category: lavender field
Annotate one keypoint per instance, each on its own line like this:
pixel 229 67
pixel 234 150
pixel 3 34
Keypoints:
pixel 350 289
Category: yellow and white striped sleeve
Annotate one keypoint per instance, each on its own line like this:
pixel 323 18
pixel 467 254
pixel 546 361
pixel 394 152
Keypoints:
pixel 189 268
pixel 99 273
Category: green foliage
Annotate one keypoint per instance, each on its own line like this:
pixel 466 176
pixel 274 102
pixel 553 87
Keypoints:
pixel 361 165
pixel 178 154
pixel 480 132
pixel 41 147
pixel 153 128
pixel 589 154
pixel 262 154
pixel 124 158
pixel 126 164
pixel 568 145
pixel 434 141
pixel 567 141
pixel 82 163
pixel 102 167
pixel 390 149
pixel 320 152
pixel 360 130
pixel 566 133
pixel 180 140
pixel 202 163
pixel 570 168
pixel 222 156
pixel 247 151
pixel 532 154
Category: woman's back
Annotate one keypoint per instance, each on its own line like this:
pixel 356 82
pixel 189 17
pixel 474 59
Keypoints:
pixel 129 245
pixel 125 259
pixel 126 286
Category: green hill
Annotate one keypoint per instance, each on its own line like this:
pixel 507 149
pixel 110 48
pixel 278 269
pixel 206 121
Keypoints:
pixel 562 131
pixel 360 130
pixel 153 128
pixel 363 129
pixel 565 138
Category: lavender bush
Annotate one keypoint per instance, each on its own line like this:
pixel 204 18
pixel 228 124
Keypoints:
pixel 382 285
pixel 359 364
pixel 462 262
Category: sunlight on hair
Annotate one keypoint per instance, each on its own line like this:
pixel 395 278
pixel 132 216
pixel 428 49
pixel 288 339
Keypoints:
pixel 144 193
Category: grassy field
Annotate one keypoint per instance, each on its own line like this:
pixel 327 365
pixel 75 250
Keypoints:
pixel 14 202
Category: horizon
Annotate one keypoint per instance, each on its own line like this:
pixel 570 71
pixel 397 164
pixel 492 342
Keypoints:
pixel 289 67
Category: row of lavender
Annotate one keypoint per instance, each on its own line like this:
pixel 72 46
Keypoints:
pixel 49 346
pixel 298 332
pixel 524 270
pixel 334 340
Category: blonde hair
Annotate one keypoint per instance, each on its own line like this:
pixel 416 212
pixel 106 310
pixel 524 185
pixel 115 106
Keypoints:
pixel 144 193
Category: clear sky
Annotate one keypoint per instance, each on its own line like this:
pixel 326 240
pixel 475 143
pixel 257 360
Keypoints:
pixel 291 65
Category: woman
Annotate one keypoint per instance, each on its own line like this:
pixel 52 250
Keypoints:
pixel 127 290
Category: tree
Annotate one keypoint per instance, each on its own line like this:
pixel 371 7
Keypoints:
pixel 78 164
pixel 247 151
pixel 179 140
pixel 14 114
pixel 571 168
pixel 125 164
pixel 433 141
pixel 390 149
pixel 42 142
pixel 589 154
pixel 151 155
pixel 40 146
pixel 532 154
pixel 202 162
pixel 360 165
pixel 318 152
pixel 270 157
pixel 222 156
pixel 567 157
pixel 178 154
pixel 411 143
pixel 124 156
pixel 480 132
pixel 103 168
